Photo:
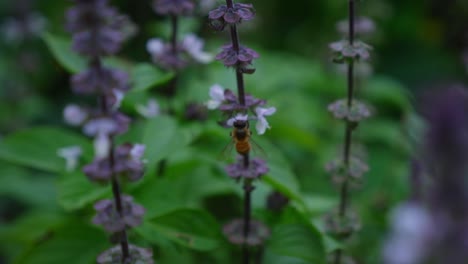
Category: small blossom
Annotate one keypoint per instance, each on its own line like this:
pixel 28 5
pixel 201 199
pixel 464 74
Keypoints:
pixel 262 123
pixel 344 51
pixel 342 226
pixel 74 115
pixel 240 117
pixel 97 28
pixel 100 80
pixel 137 256
pixel 164 55
pixel 108 216
pixel 234 231
pixel 357 112
pixel 232 58
pixel 231 103
pixel 355 169
pixel 128 160
pixel 216 95
pixel 102 145
pixel 150 110
pixel 71 156
pixel 115 124
pixel 137 151
pixel 99 170
pixel 193 45
pixel 223 15
pixel 257 167
pixel 118 96
pixel 173 7
pixel 100 126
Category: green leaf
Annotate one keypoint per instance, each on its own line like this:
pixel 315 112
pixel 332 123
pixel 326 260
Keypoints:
pixel 75 191
pixel 61 49
pixel 72 243
pixel 37 147
pixel 298 241
pixel 145 76
pixel 34 189
pixel 190 228
pixel 162 137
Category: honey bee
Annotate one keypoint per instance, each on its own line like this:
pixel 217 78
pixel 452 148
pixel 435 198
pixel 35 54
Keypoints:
pixel 241 136
pixel 242 140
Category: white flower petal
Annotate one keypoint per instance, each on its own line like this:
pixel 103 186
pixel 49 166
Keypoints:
pixel 119 95
pixel 74 115
pixel 137 151
pixel 230 121
pixel 212 104
pixel 262 125
pixel 150 110
pixel 217 92
pixel 242 117
pixel 99 126
pixel 194 46
pixel 102 146
pixel 71 155
pixel 261 111
pixel 155 46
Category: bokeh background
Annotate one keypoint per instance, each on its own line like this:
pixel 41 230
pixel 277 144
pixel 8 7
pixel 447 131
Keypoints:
pixel 418 46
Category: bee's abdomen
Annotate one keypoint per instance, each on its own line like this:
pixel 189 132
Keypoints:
pixel 243 147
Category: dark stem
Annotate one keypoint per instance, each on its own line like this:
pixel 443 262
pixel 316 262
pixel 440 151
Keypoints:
pixel 171 88
pixel 344 196
pixel 118 204
pixel 105 109
pixel 248 188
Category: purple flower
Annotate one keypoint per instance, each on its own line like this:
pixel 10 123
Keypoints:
pixel 165 56
pixel 232 58
pixel 128 160
pixel 100 81
pixel 224 15
pixel 344 51
pixel 99 170
pixel 71 155
pixel 97 28
pixel 257 167
pixel 173 7
pixel 108 216
pixel 231 103
pixel 75 115
pixel 137 255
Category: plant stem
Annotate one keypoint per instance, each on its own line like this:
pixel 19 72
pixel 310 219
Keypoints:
pixel 106 109
pixel 344 196
pixel 118 204
pixel 248 188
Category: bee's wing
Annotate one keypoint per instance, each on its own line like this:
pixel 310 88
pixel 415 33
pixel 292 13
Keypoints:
pixel 257 149
pixel 226 153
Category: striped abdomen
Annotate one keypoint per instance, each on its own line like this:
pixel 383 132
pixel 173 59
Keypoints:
pixel 243 146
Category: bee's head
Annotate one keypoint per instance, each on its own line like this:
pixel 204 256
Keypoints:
pixel 240 124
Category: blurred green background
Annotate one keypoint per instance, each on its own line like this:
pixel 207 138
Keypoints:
pixel 45 213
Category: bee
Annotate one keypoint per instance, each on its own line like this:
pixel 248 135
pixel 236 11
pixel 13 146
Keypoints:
pixel 241 136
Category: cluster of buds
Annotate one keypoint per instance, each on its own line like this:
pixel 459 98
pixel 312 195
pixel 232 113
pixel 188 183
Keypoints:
pixel 348 169
pixel 176 55
pixel 100 30
pixel 236 109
